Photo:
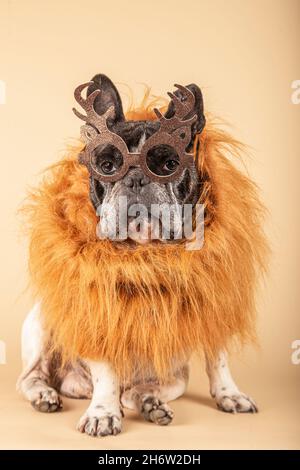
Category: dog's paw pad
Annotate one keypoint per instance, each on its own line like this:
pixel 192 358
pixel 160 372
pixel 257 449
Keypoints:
pixel 48 401
pixel 157 412
pixel 236 403
pixel 106 425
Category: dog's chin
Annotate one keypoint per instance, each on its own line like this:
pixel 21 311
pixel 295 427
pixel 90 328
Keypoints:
pixel 142 233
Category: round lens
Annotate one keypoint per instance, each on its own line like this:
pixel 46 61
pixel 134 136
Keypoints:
pixel 162 160
pixel 107 160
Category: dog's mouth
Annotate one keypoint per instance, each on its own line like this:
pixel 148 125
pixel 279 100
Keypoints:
pixel 138 230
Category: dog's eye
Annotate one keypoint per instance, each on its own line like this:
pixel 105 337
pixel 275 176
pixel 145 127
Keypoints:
pixel 171 165
pixel 108 160
pixel 107 167
pixel 162 160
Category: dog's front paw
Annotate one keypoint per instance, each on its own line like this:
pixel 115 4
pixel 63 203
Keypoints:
pixel 48 401
pixel 155 411
pixel 100 424
pixel 235 402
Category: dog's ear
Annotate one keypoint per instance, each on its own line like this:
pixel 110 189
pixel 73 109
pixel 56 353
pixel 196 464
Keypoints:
pixel 109 96
pixel 199 124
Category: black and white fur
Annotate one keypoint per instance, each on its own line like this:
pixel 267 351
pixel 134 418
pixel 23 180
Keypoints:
pixel 43 381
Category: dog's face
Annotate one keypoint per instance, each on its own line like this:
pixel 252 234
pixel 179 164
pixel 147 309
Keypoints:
pixel 135 186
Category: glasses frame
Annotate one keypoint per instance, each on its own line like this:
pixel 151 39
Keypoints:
pixel 174 131
pixel 135 159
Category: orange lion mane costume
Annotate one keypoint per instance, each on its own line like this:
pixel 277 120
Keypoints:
pixel 148 306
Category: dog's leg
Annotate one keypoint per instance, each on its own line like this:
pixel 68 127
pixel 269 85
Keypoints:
pixel 76 384
pixel 34 382
pixel 103 416
pixel 151 399
pixel 224 390
pixel 76 381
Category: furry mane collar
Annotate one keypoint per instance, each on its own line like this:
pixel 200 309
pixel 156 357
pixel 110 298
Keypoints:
pixel 149 306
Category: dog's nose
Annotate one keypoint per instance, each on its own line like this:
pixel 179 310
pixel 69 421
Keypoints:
pixel 136 180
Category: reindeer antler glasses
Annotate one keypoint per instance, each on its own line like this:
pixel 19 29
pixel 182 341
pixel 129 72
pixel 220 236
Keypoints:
pixel 174 132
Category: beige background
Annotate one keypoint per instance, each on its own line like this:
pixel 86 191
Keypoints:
pixel 245 56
